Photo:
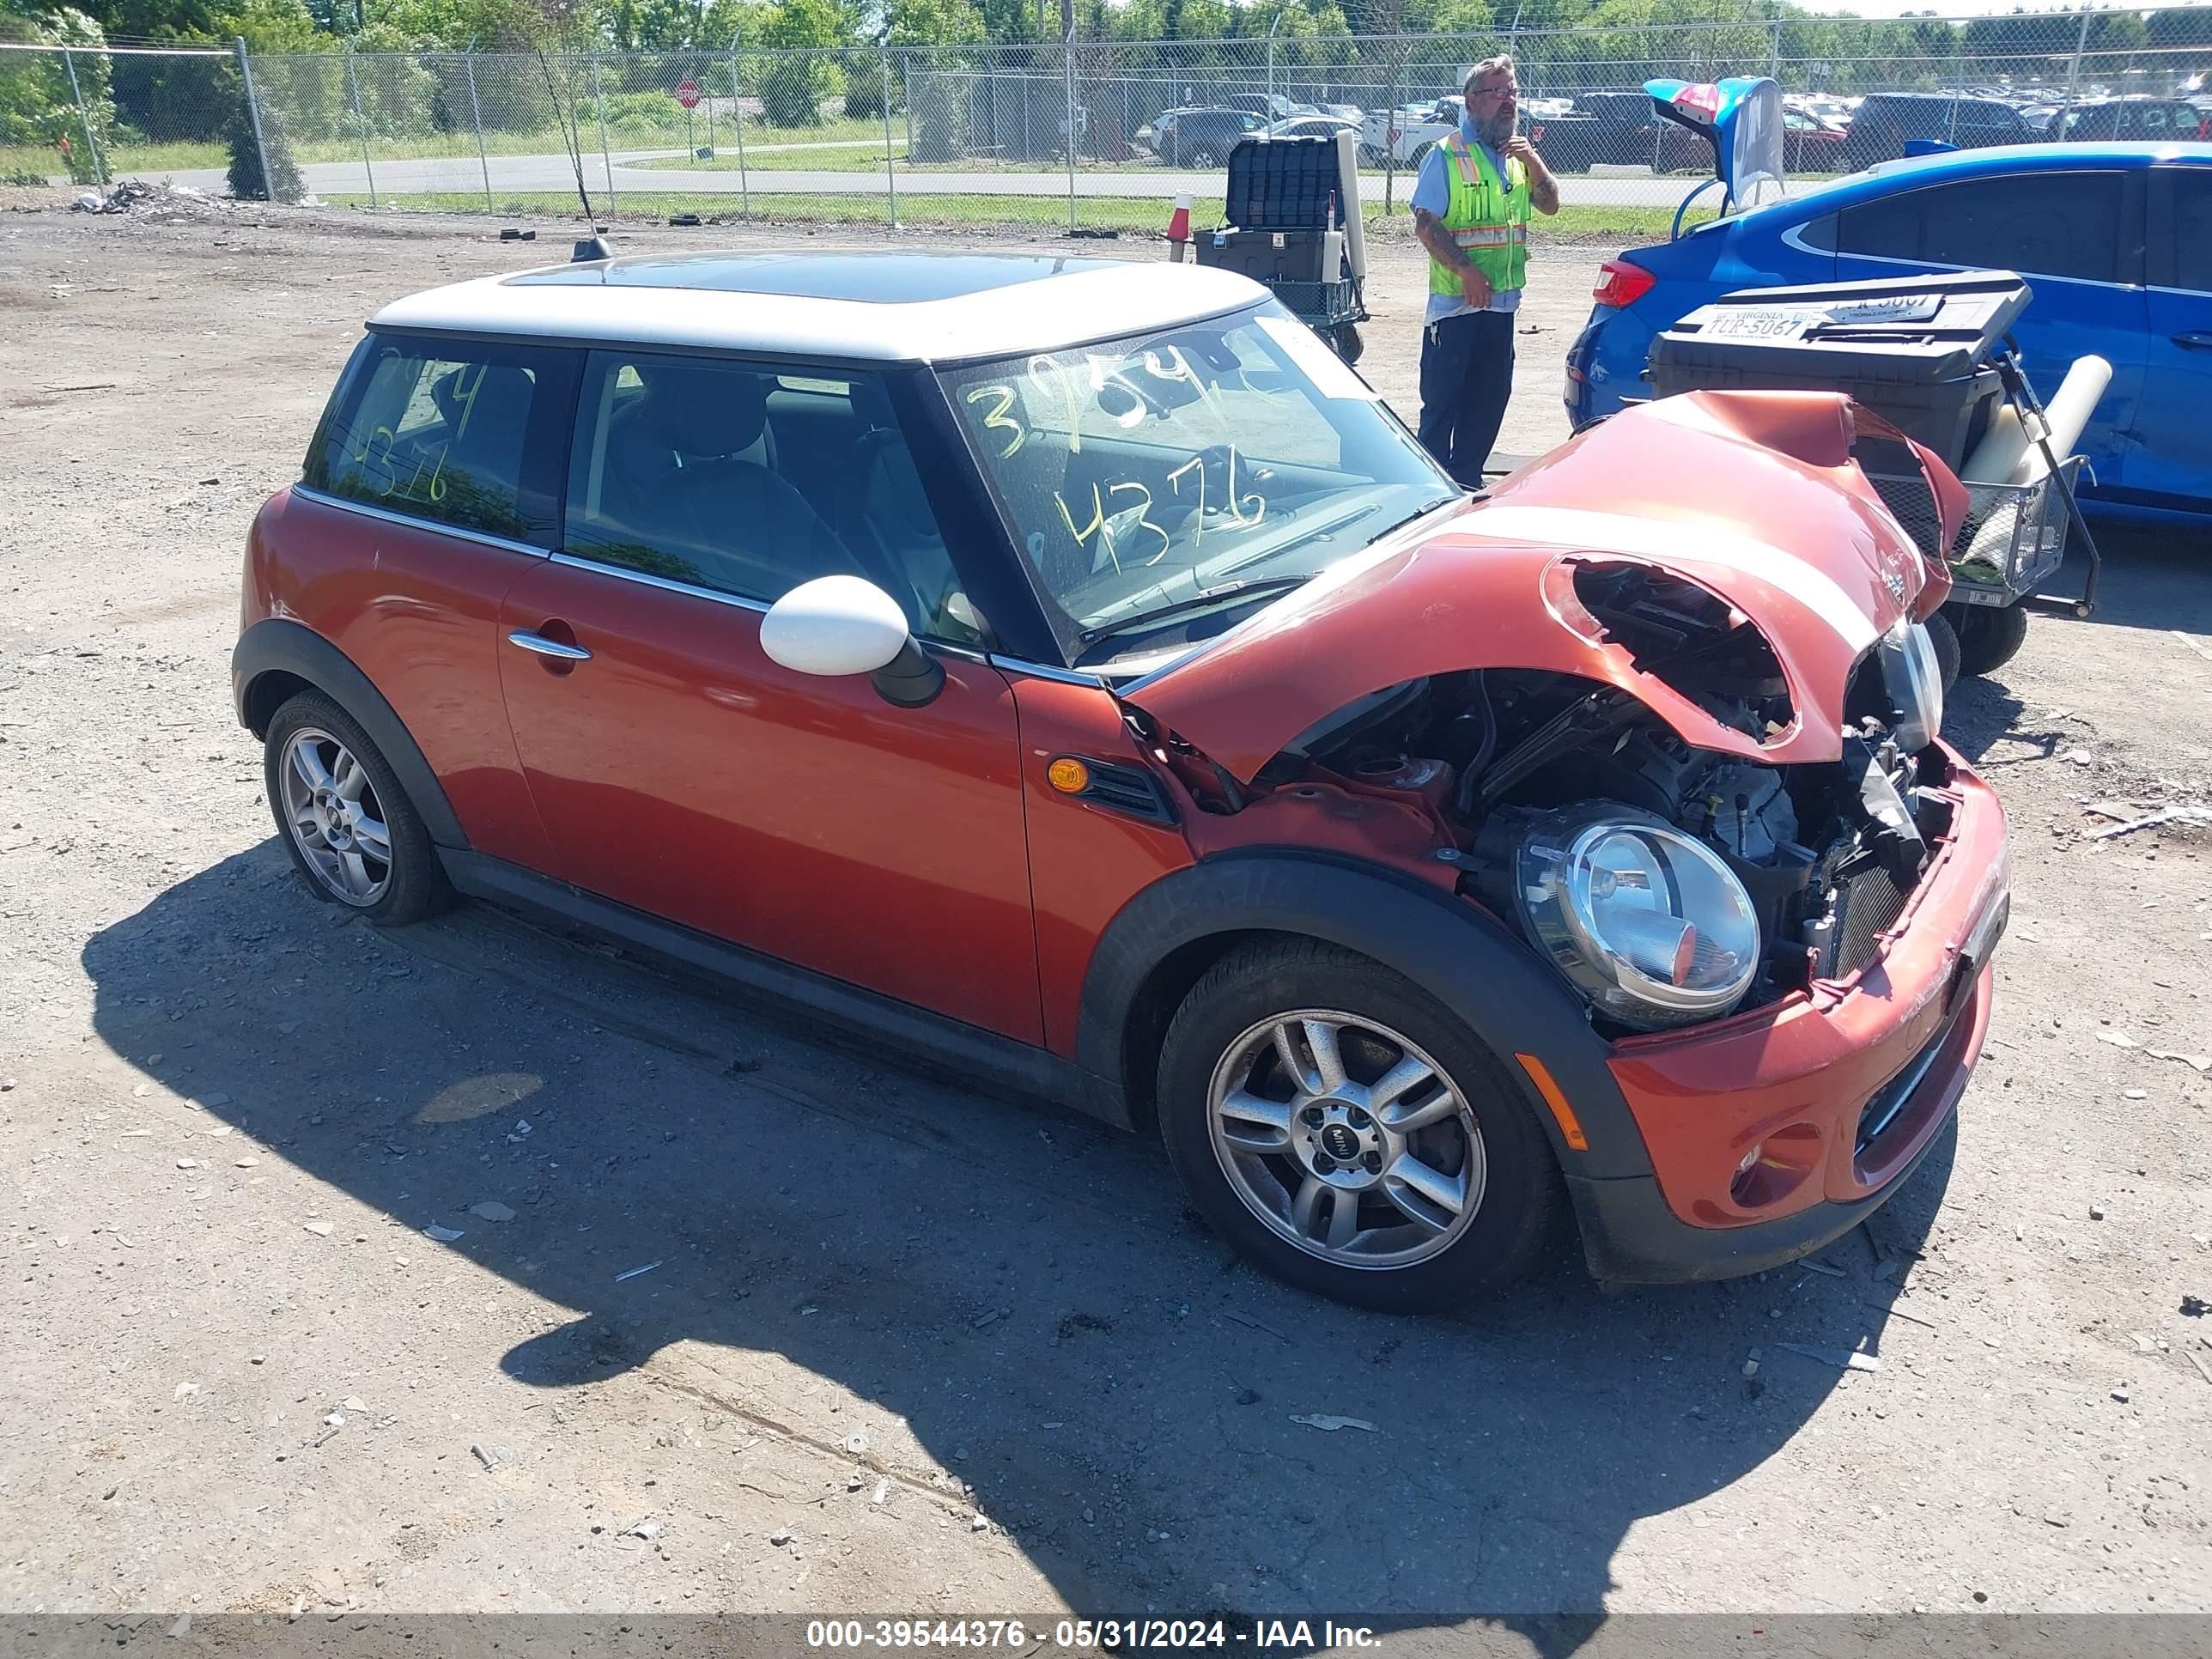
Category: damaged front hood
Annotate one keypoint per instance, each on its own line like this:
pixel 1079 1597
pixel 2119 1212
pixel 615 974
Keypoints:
pixel 1751 496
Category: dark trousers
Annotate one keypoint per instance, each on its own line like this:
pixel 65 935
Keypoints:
pixel 1467 378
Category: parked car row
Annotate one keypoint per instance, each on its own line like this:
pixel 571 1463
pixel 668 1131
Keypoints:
pixel 1619 127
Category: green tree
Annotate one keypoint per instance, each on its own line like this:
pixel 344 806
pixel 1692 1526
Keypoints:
pixel 272 26
pixel 794 84
pixel 39 107
pixel 282 182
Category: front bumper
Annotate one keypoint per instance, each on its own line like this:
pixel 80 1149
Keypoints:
pixel 1841 1089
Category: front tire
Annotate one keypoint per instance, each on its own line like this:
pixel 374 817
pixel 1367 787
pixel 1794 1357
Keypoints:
pixel 352 833
pixel 1348 1135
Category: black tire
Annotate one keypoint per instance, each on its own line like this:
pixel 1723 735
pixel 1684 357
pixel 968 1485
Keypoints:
pixel 1202 157
pixel 1521 1192
pixel 1345 338
pixel 1945 638
pixel 1989 638
pixel 414 886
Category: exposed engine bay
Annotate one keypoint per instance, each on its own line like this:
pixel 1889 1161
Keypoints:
pixel 1670 883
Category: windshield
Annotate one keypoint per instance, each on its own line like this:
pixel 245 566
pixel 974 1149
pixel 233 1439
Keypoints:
pixel 1144 474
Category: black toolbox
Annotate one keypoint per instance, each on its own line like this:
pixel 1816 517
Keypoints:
pixel 1284 184
pixel 1917 350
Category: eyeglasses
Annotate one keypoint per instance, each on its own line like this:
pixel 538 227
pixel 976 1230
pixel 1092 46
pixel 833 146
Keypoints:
pixel 1491 92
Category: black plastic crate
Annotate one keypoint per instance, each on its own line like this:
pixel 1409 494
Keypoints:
pixel 1275 256
pixel 1284 184
pixel 1915 349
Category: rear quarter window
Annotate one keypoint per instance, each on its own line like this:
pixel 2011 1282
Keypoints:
pixel 442 430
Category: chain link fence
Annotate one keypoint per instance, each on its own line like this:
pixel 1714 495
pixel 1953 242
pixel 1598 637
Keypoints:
pixel 1093 136
pixel 90 114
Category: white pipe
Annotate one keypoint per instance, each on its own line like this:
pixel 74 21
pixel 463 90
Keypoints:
pixel 2066 414
pixel 1355 218
pixel 1999 451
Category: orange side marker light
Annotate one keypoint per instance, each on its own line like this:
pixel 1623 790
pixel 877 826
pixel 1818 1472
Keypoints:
pixel 1570 1125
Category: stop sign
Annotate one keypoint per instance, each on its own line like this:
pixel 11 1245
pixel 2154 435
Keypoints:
pixel 687 93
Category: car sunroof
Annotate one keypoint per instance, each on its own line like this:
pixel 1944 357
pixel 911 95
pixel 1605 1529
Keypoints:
pixel 869 278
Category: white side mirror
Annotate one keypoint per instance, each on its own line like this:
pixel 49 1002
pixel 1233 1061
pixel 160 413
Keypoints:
pixel 833 625
pixel 840 625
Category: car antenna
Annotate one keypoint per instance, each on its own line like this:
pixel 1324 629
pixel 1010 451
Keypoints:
pixel 594 246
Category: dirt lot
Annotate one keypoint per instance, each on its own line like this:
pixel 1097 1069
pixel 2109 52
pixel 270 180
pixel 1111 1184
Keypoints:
pixel 900 1349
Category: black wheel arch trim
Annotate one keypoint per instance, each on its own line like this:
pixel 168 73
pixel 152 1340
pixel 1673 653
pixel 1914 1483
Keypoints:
pixel 1448 946
pixel 278 644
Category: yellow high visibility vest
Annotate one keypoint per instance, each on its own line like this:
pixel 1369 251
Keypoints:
pixel 1487 219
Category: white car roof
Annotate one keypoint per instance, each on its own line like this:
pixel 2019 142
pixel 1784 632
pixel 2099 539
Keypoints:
pixel 884 308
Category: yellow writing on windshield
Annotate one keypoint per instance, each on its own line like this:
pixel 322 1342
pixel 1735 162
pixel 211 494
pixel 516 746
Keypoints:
pixel 998 420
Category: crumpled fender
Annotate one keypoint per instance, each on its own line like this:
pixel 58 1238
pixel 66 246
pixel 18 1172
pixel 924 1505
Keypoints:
pixel 1751 495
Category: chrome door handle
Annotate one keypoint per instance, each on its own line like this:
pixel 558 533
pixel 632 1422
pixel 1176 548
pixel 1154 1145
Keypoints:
pixel 545 647
pixel 2194 340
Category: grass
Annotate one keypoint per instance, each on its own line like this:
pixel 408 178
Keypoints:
pixel 123 160
pixel 186 154
pixel 1138 215
pixel 858 157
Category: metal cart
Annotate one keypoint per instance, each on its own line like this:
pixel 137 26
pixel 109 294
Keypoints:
pixel 2015 536
pixel 1293 224
pixel 1330 309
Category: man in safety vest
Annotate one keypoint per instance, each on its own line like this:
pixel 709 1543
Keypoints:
pixel 1471 208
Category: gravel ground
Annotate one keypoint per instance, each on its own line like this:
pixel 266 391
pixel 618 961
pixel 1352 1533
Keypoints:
pixel 742 1323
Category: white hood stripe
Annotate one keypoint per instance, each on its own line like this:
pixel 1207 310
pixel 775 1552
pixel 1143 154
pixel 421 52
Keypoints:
pixel 1677 544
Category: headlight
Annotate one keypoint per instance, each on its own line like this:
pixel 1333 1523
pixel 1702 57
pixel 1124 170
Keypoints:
pixel 1649 925
pixel 1914 680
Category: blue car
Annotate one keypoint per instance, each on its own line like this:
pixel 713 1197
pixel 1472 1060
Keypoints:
pixel 2115 239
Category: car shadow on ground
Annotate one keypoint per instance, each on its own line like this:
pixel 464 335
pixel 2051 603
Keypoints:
pixel 1025 1292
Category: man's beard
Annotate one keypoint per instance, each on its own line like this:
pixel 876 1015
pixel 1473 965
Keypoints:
pixel 1498 131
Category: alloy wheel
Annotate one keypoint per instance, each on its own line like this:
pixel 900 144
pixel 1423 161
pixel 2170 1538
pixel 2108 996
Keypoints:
pixel 334 817
pixel 1347 1139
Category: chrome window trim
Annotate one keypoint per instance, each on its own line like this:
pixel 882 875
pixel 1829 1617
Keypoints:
pixel 2185 292
pixel 1045 671
pixel 433 527
pixel 739 601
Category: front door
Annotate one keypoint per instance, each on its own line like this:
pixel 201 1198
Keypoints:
pixel 681 772
pixel 2173 457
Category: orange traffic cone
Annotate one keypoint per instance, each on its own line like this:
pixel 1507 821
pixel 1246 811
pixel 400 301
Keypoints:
pixel 1179 228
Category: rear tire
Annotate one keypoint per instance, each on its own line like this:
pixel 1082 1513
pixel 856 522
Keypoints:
pixel 1449 1182
pixel 1349 346
pixel 352 833
pixel 1989 638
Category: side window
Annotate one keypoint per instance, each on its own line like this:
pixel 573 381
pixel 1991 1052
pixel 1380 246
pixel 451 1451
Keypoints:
pixel 437 429
pixel 748 479
pixel 2192 227
pixel 2050 224
pixel 1887 228
pixel 2042 224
